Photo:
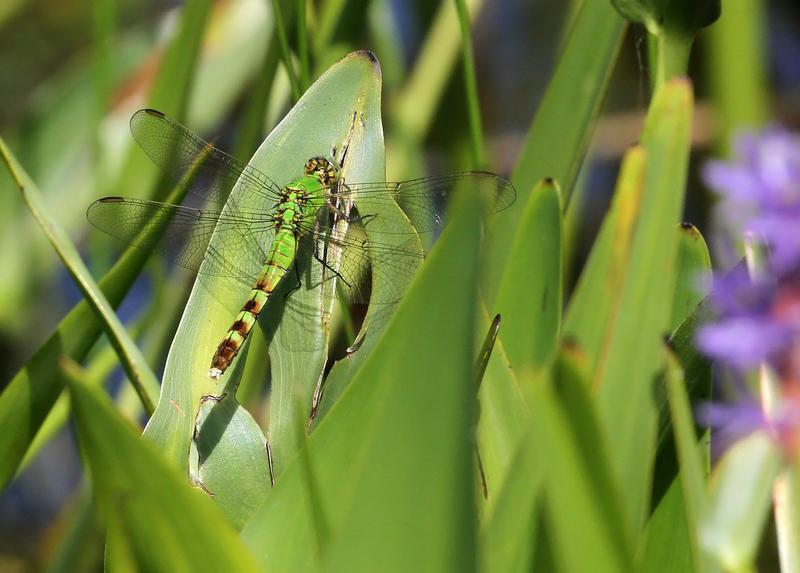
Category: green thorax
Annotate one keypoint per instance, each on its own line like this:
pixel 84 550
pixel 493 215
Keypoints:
pixel 301 200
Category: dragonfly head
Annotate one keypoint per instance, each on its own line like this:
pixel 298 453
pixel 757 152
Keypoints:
pixel 324 169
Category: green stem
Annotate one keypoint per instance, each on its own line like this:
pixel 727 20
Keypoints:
pixel 286 55
pixel 471 86
pixel 329 15
pixel 302 45
pixel 672 59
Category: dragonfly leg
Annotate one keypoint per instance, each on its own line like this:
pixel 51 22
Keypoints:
pixel 352 217
pixel 324 263
pixel 297 286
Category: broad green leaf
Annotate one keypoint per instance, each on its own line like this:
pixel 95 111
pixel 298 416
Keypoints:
pixel 739 503
pixel 167 525
pixel 392 461
pixel 559 135
pixel 341 107
pixel 623 379
pixel 530 296
pixel 233 462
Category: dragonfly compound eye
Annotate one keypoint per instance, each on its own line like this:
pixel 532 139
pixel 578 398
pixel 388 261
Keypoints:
pixel 324 169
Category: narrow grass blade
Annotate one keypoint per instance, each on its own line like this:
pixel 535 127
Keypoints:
pixel 286 53
pixel 508 530
pixel 670 544
pixel 694 269
pixel 559 135
pixel 168 94
pixel 166 525
pixel 471 87
pixel 599 287
pixel 131 358
pixel 75 537
pixel 693 461
pixel 393 459
pixel 786 498
pixel 503 419
pixel 530 296
pixel 414 107
pixel 27 400
pixel 302 44
pixel 740 93
pixel 570 375
pixel 486 350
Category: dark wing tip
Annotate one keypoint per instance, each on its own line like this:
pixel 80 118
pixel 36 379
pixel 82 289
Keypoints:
pixel 144 112
pixel 111 199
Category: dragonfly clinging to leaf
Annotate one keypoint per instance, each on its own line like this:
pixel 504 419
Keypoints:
pixel 316 210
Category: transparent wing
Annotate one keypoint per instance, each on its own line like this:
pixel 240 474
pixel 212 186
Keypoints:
pixel 425 200
pixel 367 272
pixel 239 252
pixel 176 151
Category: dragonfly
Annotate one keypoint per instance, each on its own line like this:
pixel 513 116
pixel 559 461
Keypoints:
pixel 262 245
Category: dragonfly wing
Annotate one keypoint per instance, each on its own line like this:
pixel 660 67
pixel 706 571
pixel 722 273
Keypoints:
pixel 181 153
pixel 183 234
pixel 425 200
pixel 366 271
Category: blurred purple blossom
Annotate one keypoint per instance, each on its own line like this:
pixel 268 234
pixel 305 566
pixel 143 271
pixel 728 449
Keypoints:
pixel 758 318
pixel 760 192
pixel 748 331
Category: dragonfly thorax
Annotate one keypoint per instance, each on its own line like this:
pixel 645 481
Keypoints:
pixel 324 169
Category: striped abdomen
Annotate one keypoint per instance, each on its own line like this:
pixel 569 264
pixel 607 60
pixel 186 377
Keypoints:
pixel 279 259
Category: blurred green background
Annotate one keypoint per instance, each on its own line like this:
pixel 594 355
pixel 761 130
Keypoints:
pixel 72 73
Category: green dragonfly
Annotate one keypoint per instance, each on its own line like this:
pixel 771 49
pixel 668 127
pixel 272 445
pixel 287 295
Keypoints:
pixel 261 245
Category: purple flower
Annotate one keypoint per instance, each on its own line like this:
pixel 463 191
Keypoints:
pixel 759 319
pixel 760 192
pixel 747 331
pixel 732 422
